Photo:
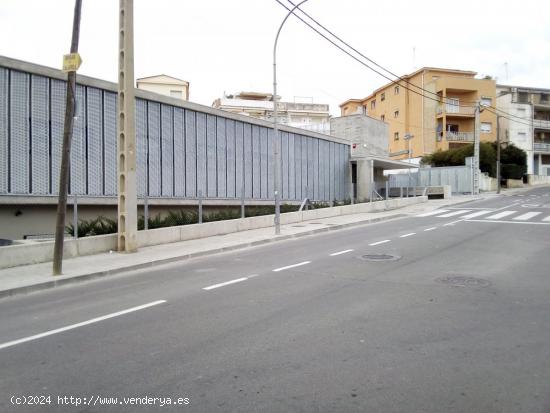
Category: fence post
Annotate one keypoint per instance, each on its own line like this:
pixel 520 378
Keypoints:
pixel 146 212
pixel 400 192
pixel 387 190
pixel 242 203
pixel 200 206
pixel 75 217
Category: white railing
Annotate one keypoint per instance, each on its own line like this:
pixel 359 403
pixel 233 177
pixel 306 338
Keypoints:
pixel 543 124
pixel 451 109
pixel 460 136
pixel 541 147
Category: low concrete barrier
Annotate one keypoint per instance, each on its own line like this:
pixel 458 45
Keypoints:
pixel 538 180
pixel 34 253
pixel 514 183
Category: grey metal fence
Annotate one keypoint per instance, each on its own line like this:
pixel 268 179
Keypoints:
pixel 180 151
pixel 458 177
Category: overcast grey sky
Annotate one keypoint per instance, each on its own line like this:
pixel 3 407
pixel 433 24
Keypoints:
pixel 226 45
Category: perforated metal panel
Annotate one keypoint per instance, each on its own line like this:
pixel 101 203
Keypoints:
pixel 322 169
pixel 306 166
pixel 239 158
pixel 211 156
pixel 179 153
pixel 190 154
pixel 291 168
pixel 263 163
pixel 201 153
pixel 19 128
pixel 95 141
pixel 109 142
pixel 141 147
pixel 270 169
pixel 153 130
pixel 221 157
pixel 248 163
pixel 256 165
pixel 284 165
pixel 40 136
pixel 332 178
pixel 167 151
pixel 298 166
pixel 4 131
pixel 78 172
pixel 57 115
pixel 231 158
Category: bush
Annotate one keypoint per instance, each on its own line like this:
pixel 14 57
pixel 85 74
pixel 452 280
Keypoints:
pixel 512 171
pixel 98 226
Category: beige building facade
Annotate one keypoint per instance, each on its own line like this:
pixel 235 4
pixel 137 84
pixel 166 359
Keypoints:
pixel 439 118
pixel 165 85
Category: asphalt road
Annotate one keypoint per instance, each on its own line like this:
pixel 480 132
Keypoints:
pixel 456 320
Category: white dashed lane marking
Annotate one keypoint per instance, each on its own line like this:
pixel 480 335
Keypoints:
pixel 238 280
pixel 291 266
pixel 379 242
pixel 340 253
pixel 407 235
pixel 430 229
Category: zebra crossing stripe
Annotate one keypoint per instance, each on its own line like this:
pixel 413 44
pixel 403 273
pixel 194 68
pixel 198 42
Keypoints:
pixel 501 215
pixel 527 216
pixel 438 211
pixel 452 214
pixel 547 218
pixel 476 214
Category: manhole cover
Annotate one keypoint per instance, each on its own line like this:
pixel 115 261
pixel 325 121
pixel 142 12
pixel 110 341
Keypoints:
pixel 380 257
pixel 463 281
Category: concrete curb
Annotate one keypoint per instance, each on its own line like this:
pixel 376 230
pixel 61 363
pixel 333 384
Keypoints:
pixel 85 277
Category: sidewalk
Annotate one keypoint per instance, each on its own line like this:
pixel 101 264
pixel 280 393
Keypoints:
pixel 34 277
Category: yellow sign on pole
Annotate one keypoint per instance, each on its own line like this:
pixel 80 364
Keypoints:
pixel 71 62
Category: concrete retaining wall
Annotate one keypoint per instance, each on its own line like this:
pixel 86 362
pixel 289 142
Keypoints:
pixel 514 183
pixel 538 179
pixel 33 253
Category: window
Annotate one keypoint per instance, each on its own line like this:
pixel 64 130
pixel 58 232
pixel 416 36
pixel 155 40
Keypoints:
pixel 486 101
pixel 383 97
pixel 373 104
pixel 396 90
pixel 486 127
pixel 176 94
pixel 396 114
pixel 396 136
pixel 382 117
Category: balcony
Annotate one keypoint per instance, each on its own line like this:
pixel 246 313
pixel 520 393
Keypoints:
pixel 450 109
pixel 460 136
pixel 541 147
pixel 541 124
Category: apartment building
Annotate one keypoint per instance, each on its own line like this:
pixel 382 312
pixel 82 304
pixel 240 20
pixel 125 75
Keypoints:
pixel 165 85
pixel 439 118
pixel 304 115
pixel 526 123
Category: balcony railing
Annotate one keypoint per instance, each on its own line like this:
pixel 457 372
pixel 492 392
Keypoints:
pixel 542 124
pixel 450 109
pixel 460 136
pixel 541 147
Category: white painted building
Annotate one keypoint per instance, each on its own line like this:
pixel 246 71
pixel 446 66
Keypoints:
pixel 530 107
pixel 299 114
pixel 165 85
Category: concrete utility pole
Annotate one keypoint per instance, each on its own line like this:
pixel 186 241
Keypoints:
pixel 276 158
pixel 475 172
pixel 498 153
pixel 66 149
pixel 127 193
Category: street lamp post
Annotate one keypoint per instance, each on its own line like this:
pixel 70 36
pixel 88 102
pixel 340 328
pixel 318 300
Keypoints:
pixel 276 160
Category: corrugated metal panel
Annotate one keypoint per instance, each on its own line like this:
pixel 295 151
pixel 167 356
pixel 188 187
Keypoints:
pixel 326 170
pixel 239 159
pixel 94 115
pixel 256 165
pixel 248 162
pixel 78 170
pixel 19 127
pixel 4 132
pixel 211 154
pixel 40 139
pixel 270 165
pixel 221 157
pixel 231 158
pixel 179 153
pixel 167 150
pixel 110 142
pixel 153 130
pixel 58 90
pixel 323 169
pixel 332 175
pixel 291 168
pixel 263 163
pixel 202 174
pixel 307 165
pixel 141 147
pixel 298 166
pixel 191 154
pixel 284 164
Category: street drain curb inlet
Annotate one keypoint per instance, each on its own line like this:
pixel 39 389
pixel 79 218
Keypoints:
pixel 380 257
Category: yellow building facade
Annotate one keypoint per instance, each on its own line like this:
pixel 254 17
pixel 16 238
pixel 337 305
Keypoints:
pixel 439 117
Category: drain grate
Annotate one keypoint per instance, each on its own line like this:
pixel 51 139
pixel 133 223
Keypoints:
pixel 463 281
pixel 380 257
